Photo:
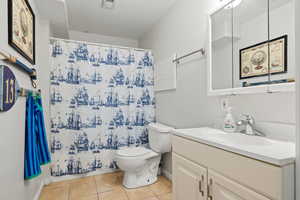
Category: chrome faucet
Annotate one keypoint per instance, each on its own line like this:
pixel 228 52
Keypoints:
pixel 247 122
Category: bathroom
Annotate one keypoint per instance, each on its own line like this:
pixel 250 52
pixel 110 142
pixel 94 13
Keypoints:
pixel 190 54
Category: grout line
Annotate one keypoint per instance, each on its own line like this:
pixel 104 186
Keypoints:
pixel 69 191
pixel 157 196
pixel 98 195
pixel 123 187
pixel 152 191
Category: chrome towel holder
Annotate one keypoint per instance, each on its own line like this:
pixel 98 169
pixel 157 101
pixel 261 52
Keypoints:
pixel 177 60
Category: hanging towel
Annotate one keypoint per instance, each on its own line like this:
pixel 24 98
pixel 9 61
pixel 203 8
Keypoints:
pixel 36 145
pixel 42 144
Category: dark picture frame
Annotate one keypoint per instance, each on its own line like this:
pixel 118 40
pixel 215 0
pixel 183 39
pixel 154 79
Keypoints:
pixel 25 43
pixel 264 48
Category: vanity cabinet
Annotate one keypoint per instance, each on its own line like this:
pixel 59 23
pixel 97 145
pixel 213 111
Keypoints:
pixel 222 188
pixel 190 178
pixel 201 171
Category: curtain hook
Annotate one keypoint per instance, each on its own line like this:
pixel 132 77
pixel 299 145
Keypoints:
pixel 33 83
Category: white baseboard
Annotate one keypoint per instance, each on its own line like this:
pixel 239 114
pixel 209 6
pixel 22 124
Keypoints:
pixel 38 193
pixel 167 174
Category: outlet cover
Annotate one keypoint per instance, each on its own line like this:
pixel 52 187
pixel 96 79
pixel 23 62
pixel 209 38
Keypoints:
pixel 224 104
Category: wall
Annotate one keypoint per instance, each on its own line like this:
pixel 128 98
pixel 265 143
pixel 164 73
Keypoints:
pixel 95 38
pixel 183 29
pixel 297 39
pixel 12 123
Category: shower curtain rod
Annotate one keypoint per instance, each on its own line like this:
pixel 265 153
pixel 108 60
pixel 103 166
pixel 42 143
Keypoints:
pixel 100 44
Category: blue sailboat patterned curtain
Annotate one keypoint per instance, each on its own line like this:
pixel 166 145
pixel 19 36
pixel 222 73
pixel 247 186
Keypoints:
pixel 102 98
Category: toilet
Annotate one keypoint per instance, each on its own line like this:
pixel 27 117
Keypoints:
pixel 140 164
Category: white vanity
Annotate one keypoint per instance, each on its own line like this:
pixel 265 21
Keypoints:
pixel 214 165
pixel 251 50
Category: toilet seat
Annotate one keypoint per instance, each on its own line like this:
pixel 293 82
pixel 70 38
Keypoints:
pixel 133 152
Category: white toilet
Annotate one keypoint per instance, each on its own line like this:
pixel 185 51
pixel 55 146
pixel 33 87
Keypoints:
pixel 141 164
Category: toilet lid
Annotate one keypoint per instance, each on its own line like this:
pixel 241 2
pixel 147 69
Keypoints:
pixel 133 152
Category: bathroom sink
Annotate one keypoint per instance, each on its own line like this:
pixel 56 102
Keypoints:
pixel 261 148
pixel 221 136
pixel 237 138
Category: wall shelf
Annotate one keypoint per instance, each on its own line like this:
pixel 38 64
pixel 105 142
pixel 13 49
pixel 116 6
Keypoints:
pixel 225 39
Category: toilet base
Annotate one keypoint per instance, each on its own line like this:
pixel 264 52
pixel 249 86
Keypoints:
pixel 143 176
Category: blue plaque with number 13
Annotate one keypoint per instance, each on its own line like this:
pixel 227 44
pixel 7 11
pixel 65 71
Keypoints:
pixel 8 88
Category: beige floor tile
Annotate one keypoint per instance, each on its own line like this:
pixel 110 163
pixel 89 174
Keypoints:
pixel 54 193
pixel 86 179
pixel 83 188
pixel 162 186
pixel 109 187
pixel 165 197
pixel 139 193
pixel 107 182
pixel 58 184
pixel 166 180
pixel 68 182
pixel 92 197
pixel 151 198
pixel 117 193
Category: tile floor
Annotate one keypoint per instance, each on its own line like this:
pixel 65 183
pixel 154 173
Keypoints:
pixel 106 187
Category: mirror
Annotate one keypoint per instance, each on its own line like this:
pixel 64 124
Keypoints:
pixel 250 52
pixel 221 45
pixel 282 23
pixel 252 44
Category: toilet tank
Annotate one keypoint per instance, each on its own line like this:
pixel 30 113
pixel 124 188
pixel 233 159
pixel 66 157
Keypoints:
pixel 159 137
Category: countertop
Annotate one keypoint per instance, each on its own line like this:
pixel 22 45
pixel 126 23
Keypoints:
pixel 279 153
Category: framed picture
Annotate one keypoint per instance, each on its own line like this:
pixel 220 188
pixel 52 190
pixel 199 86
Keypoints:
pixel 254 60
pixel 21 28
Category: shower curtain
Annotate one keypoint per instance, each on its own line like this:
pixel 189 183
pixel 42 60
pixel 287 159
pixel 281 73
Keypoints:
pixel 102 98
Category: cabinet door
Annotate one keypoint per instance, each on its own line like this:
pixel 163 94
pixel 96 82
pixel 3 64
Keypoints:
pixel 189 180
pixel 221 188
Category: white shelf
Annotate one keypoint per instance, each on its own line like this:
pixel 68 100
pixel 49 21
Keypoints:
pixel 226 39
pixel 273 88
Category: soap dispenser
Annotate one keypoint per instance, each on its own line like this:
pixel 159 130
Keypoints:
pixel 229 122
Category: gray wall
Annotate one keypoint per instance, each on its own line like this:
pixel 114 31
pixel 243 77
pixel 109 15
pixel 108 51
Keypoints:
pixel 183 29
pixel 12 123
pixel 297 38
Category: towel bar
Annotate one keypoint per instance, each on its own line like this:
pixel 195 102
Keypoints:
pixel 13 60
pixel 202 51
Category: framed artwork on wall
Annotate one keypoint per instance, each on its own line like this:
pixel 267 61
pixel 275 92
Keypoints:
pixel 254 60
pixel 21 28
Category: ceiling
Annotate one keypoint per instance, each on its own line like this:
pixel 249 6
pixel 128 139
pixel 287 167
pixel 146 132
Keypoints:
pixel 129 18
